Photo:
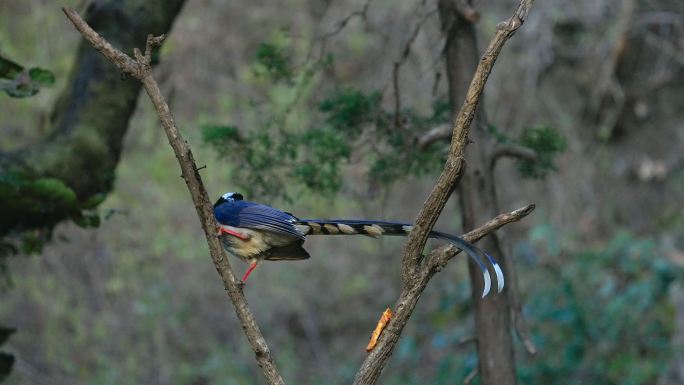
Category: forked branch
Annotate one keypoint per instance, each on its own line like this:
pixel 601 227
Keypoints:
pixel 455 162
pixel 140 69
pixel 415 275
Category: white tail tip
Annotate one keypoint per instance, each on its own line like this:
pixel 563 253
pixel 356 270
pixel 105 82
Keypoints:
pixel 487 283
pixel 499 277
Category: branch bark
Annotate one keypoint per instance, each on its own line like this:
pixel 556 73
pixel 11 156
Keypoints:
pixel 478 201
pixel 372 367
pixel 436 134
pixel 512 150
pixel 414 275
pixel 455 162
pixel 140 68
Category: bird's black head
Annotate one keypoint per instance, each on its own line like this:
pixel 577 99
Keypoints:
pixel 228 197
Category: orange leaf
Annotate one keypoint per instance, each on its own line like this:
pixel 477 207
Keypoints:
pixel 382 323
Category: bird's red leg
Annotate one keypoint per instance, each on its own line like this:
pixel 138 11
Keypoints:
pixel 249 271
pixel 244 237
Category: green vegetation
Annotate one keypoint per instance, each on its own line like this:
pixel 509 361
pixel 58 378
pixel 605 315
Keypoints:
pixel 31 205
pixel 348 121
pixel 599 315
pixel 19 82
pixel 347 127
pixel 547 144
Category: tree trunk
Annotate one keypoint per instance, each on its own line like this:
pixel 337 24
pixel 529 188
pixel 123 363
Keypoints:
pixel 477 200
pixel 91 116
pixel 89 119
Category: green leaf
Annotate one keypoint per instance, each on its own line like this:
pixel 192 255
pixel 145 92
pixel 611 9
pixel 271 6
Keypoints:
pixel 20 87
pixel 547 142
pixel 18 82
pixel 349 109
pixel 9 69
pixel 215 134
pixel 41 76
pixel 93 201
pixel 55 191
pixel 87 220
pixel 276 63
pixel 31 243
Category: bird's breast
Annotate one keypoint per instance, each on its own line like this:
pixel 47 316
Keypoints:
pixel 258 242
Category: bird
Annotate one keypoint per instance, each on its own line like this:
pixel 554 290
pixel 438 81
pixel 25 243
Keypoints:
pixel 254 232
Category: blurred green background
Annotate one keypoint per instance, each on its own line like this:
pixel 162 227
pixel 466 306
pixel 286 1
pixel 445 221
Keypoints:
pixel 137 300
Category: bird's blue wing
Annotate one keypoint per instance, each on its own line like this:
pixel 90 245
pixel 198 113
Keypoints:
pixel 258 217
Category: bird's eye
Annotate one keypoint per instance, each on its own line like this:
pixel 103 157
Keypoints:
pixel 237 196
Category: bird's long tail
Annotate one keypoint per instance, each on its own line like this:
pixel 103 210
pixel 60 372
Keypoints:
pixel 380 228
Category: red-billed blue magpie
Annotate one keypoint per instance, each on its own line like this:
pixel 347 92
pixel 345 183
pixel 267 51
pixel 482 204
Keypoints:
pixel 254 232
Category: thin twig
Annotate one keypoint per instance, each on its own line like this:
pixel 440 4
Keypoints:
pixel 467 11
pixel 435 134
pixel 455 162
pixel 370 370
pixel 439 258
pixel 343 23
pixel 517 316
pixel 512 150
pixel 405 52
pixel 142 71
pixel 414 276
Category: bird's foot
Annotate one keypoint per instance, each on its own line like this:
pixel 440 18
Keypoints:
pixel 223 230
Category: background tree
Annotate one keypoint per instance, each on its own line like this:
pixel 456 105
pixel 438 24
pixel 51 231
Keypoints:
pixel 612 210
pixel 69 171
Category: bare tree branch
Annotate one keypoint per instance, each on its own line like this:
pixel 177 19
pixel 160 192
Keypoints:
pixel 517 316
pixel 439 258
pixel 467 11
pixel 415 277
pixel 371 368
pixel 454 165
pixel 140 68
pixel 343 23
pixel 435 134
pixel 512 150
pixel 405 51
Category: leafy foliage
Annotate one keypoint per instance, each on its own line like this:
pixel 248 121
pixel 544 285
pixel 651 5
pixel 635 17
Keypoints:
pixel 268 159
pixel 597 315
pixel 608 319
pixel 274 62
pixel 31 205
pixel 19 82
pixel 547 143
pixel 348 127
